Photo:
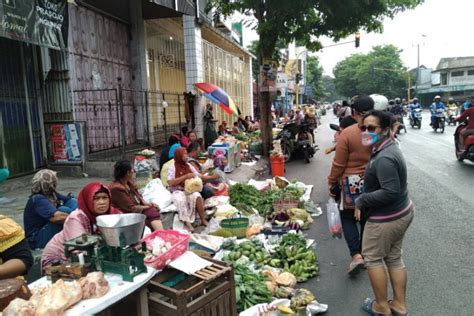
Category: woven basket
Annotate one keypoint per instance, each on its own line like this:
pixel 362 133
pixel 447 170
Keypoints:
pixel 284 205
pixel 237 226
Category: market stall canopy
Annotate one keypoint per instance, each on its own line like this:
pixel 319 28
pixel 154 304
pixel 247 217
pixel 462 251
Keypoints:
pixel 218 96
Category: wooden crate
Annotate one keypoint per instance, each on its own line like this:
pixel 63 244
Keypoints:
pixel 209 292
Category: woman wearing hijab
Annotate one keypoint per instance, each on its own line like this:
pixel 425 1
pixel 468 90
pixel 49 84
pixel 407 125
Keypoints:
pixel 210 133
pixel 187 204
pixel 46 209
pixel 94 200
pixel 126 198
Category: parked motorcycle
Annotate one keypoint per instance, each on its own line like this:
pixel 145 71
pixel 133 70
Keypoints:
pixel 297 139
pixel 466 151
pixel 416 118
pixel 452 114
pixel 440 121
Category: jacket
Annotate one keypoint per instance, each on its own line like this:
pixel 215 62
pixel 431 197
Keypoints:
pixel 385 196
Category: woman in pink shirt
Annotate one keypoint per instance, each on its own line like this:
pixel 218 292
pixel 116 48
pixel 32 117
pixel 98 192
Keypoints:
pixel 93 200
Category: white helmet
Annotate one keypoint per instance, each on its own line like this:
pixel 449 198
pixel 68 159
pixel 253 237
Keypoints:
pixel 380 102
pixel 437 97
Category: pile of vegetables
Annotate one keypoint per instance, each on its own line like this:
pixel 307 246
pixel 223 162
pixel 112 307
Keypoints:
pixel 250 288
pixel 253 250
pixel 292 256
pixel 244 197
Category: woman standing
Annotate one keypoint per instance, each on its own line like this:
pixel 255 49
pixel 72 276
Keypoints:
pixel 389 214
pixel 210 134
pixel 94 200
pixel 187 204
pixel 347 173
pixel 126 197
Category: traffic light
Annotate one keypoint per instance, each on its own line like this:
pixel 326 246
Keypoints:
pixel 357 39
pixel 298 78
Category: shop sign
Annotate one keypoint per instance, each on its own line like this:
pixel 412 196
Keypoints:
pixel 40 22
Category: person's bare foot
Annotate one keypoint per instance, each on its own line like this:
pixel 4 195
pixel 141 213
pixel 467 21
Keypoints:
pixel 190 227
pixel 397 309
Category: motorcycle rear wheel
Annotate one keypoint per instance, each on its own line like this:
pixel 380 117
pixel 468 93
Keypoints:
pixel 306 155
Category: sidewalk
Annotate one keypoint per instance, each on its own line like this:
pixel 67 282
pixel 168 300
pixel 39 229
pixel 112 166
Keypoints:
pixel 19 188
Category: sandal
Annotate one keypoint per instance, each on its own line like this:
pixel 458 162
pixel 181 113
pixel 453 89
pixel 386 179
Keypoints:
pixel 356 266
pixel 395 312
pixel 368 305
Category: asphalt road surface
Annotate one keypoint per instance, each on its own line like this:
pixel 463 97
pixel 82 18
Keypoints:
pixel 438 246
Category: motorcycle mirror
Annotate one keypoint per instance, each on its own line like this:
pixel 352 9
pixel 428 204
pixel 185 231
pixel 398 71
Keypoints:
pixel 334 127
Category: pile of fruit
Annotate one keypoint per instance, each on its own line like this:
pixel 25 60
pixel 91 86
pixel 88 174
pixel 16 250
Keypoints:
pixel 253 250
pixel 293 256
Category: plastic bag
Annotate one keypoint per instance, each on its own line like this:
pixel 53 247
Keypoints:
pixel 155 192
pixel 334 219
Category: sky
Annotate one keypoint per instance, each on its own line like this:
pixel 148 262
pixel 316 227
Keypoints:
pixel 441 28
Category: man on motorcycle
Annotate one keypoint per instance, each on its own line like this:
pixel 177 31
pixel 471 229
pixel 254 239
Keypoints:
pixel 414 105
pixel 469 130
pixel 452 104
pixel 397 108
pixel 436 105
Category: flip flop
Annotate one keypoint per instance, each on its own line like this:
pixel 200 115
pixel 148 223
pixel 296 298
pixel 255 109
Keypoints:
pixel 396 313
pixel 367 307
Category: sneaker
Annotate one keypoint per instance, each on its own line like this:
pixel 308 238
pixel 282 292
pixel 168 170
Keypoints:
pixel 356 265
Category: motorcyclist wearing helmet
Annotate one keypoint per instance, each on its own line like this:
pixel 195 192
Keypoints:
pixel 469 130
pixel 436 105
pixel 413 106
pixel 397 108
pixel 452 105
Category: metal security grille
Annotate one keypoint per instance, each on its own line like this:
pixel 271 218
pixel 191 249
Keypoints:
pixel 20 123
pixel 119 121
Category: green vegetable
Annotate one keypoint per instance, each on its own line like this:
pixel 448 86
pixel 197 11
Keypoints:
pixel 251 288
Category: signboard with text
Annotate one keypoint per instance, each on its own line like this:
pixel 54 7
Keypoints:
pixel 40 22
pixel 65 142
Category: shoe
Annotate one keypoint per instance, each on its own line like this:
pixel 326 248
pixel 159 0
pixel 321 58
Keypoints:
pixel 356 266
pixel 397 313
pixel 368 305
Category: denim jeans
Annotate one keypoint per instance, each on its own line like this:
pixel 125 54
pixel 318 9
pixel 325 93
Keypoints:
pixel 47 232
pixel 351 231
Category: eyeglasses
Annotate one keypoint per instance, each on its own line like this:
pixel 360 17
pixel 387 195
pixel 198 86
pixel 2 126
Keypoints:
pixel 370 128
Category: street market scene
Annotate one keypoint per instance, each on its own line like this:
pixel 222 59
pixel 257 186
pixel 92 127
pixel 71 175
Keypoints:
pixel 236 158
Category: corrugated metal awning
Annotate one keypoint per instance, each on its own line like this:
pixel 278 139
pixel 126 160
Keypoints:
pixel 179 7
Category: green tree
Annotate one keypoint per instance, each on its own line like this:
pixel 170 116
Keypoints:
pixel 380 71
pixel 330 87
pixel 314 78
pixel 253 48
pixel 305 21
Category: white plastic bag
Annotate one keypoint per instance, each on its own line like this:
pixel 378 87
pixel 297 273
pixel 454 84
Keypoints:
pixel 156 193
pixel 334 219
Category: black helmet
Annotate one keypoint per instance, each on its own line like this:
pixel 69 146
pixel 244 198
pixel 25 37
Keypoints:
pixel 397 100
pixel 391 102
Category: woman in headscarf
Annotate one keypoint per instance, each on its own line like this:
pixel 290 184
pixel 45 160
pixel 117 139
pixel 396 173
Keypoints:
pixel 187 204
pixel 210 134
pixel 94 200
pixel 46 209
pixel 125 195
pixel 15 254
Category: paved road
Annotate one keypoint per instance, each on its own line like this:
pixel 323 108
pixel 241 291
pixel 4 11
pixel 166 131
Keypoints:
pixel 438 246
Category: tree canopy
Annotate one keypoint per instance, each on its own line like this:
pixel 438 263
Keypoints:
pixel 314 78
pixel 305 21
pixel 380 71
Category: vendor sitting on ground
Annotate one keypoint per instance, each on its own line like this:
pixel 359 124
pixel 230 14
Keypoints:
pixel 193 154
pixel 126 197
pixel 187 204
pixel 15 254
pixel 94 200
pixel 46 209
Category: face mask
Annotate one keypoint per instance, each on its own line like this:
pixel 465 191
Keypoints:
pixel 369 138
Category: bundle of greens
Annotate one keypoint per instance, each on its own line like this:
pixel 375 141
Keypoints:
pixel 250 287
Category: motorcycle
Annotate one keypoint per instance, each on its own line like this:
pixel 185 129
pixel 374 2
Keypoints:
pixel 452 114
pixel 440 121
pixel 296 139
pixel 467 151
pixel 416 118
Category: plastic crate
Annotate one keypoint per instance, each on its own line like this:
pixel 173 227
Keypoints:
pixel 179 245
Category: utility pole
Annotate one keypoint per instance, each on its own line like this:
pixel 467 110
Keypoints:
pixel 417 67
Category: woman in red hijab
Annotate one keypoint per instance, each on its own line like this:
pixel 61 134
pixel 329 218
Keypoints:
pixel 187 204
pixel 93 200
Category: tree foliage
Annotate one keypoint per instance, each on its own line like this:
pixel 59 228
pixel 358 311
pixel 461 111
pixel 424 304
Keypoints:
pixel 314 78
pixel 330 87
pixel 305 21
pixel 380 71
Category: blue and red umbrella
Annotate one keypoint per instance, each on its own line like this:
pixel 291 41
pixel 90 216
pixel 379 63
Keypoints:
pixel 219 96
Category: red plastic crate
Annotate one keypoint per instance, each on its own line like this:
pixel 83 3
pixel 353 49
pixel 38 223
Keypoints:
pixel 179 245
